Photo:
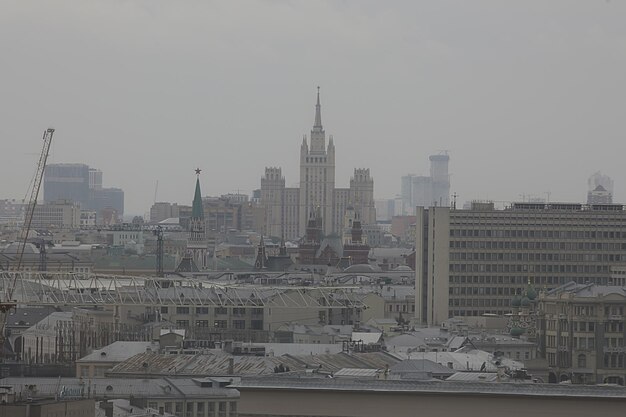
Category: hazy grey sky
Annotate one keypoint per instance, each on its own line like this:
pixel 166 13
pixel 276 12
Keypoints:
pixel 528 96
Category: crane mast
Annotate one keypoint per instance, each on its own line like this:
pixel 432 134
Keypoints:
pixel 7 303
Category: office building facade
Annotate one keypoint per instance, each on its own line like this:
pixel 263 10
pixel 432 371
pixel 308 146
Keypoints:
pixel 473 262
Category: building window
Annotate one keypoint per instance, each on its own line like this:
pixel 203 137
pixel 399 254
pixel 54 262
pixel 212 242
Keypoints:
pixel 163 310
pixel 182 310
pixel 239 324
pixel 256 324
pixel 182 323
pixel 221 310
pixel 202 323
pixel 582 360
pixel 221 324
pixel 202 310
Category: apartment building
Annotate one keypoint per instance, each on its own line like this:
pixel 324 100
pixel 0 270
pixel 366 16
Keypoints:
pixel 473 262
pixel 581 333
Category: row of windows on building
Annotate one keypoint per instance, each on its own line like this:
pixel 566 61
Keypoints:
pixel 197 409
pixel 537 257
pixel 578 326
pixel 517 245
pixel 480 302
pixel 234 311
pixel 401 308
pixel 507 218
pixel 512 268
pixel 492 291
pixel 610 360
pixel 475 313
pixel 220 324
pixel 520 279
pixel 539 234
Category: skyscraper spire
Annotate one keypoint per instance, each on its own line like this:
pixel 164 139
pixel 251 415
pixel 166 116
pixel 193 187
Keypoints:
pixel 196 209
pixel 318 112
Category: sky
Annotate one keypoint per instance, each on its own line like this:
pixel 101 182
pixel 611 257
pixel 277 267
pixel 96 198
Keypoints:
pixel 528 97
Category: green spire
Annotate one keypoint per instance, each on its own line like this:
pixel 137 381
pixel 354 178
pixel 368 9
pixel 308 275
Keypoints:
pixel 196 209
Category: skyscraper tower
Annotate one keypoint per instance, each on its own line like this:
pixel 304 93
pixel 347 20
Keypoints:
pixel 287 209
pixel 440 179
pixel 317 174
pixel 197 241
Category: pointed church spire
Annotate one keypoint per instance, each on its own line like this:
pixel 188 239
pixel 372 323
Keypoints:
pixel 196 209
pixel 318 111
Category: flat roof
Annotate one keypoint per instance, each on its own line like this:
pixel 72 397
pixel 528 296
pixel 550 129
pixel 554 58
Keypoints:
pixel 434 387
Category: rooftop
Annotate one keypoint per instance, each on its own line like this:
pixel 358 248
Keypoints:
pixel 119 351
pixel 430 386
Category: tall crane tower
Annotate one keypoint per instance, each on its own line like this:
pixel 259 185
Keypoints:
pixel 7 302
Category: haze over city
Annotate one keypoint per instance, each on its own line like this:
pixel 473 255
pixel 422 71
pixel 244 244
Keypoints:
pixel 527 97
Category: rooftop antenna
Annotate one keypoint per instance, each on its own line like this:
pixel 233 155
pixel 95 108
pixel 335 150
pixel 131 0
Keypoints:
pixel 156 188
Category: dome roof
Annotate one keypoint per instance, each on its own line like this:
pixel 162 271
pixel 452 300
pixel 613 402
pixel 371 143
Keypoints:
pixel 516 301
pixel 403 268
pixel 525 302
pixel 531 293
pixel 361 268
pixel 13 249
pixel 516 331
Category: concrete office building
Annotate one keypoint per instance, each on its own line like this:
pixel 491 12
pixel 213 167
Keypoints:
pixel 472 262
pixel 61 214
pixel 162 211
pixel 288 209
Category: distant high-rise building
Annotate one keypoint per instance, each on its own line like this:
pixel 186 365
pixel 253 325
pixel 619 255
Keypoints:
pixel 287 210
pixel 95 179
pixel 67 182
pixel 440 180
pixel 385 209
pixel 163 210
pixel 599 189
pixel 107 198
pixel 427 191
pixel 81 184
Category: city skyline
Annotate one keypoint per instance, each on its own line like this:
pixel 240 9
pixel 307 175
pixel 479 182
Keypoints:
pixel 527 97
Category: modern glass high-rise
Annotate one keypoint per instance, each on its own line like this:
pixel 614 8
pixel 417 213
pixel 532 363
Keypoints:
pixel 66 182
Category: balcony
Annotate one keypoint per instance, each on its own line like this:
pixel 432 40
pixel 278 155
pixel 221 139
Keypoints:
pixel 616 317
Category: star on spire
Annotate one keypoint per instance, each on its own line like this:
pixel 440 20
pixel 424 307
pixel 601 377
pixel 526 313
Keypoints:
pixel 198 171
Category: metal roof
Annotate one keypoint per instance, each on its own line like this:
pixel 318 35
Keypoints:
pixel 119 351
pixel 291 383
pixel 218 363
pixel 123 387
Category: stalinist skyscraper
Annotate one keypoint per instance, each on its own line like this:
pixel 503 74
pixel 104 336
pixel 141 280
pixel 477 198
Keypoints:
pixel 317 175
pixel 287 210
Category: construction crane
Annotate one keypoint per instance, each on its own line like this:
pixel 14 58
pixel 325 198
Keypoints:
pixel 7 302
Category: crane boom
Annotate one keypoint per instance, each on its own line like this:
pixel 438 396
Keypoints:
pixel 34 194
pixel 7 302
